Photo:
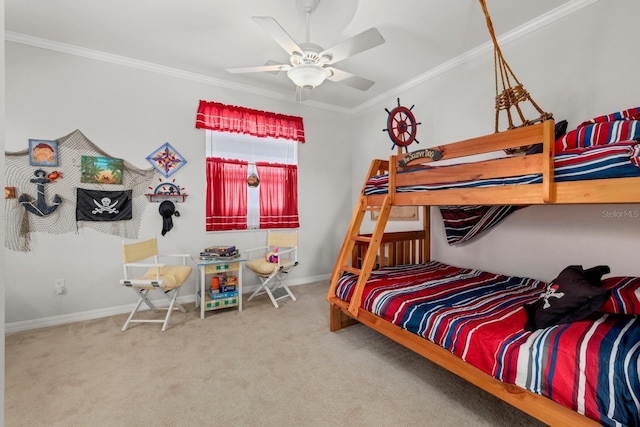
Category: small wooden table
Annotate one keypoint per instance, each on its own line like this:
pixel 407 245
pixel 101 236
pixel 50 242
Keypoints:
pixel 223 268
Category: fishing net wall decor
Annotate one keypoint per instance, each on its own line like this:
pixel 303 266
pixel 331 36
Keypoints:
pixel 19 223
pixel 513 92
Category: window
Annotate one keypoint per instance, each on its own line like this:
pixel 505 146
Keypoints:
pixel 235 160
pixel 233 204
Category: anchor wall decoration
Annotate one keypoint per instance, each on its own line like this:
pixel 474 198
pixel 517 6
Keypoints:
pixel 39 206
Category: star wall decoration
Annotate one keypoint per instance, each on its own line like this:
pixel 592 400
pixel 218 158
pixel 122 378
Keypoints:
pixel 166 160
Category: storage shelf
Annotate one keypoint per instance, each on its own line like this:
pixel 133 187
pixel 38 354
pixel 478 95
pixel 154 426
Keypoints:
pixel 220 303
pixel 230 273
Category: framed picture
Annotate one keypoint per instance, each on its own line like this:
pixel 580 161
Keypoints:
pixel 399 213
pixel 43 152
pixel 101 170
pixel 166 160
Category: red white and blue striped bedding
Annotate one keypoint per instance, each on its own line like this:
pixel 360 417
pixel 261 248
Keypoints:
pixel 462 223
pixel 621 159
pixel 591 366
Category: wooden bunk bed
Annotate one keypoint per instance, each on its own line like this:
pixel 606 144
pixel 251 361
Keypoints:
pixel 362 255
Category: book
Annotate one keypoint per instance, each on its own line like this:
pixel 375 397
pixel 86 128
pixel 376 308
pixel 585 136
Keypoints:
pixel 210 256
pixel 218 250
pixel 234 254
pixel 228 288
pixel 221 295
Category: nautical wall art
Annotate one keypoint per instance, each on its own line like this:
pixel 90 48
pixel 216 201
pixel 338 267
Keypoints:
pixel 166 160
pixel 55 192
pixel 96 205
pixel 39 205
pixel 101 170
pixel 43 152
pixel 167 191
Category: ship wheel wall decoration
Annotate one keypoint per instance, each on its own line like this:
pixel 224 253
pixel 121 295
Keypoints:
pixel 402 126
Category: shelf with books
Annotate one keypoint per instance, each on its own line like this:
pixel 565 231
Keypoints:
pixel 216 301
pixel 219 285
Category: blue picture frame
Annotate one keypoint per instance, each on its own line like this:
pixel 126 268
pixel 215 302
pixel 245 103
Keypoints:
pixel 166 160
pixel 43 152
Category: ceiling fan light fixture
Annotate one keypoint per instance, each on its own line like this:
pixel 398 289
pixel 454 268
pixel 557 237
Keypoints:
pixel 308 76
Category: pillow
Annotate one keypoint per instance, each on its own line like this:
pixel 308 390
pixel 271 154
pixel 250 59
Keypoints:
pixel 261 266
pixel 625 295
pixel 630 114
pixel 600 133
pixel 594 274
pixel 560 129
pixel 568 298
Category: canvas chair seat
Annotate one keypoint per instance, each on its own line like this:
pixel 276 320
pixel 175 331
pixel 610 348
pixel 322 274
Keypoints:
pixel 167 279
pixel 171 276
pixel 262 267
pixel 272 274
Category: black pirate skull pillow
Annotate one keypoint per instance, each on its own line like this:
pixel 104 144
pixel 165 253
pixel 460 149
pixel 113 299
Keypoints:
pixel 569 297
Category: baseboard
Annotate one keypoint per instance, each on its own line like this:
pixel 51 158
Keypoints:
pixel 44 322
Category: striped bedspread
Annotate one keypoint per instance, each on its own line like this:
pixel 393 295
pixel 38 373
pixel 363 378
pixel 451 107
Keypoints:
pixel 599 162
pixel 591 366
pixel 461 224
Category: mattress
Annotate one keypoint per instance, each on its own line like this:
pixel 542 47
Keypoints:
pixel 616 160
pixel 591 366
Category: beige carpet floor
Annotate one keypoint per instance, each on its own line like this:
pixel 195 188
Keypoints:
pixel 260 367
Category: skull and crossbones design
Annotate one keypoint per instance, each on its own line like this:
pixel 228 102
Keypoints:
pixel 105 205
pixel 552 291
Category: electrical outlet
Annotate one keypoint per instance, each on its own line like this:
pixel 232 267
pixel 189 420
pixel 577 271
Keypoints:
pixel 60 287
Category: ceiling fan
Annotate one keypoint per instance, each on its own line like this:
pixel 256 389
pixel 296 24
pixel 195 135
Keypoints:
pixel 309 64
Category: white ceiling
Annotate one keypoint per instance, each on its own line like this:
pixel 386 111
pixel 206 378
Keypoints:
pixel 200 38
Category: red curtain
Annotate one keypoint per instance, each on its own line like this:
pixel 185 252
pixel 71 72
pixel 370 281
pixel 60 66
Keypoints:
pixel 226 194
pixel 278 195
pixel 229 118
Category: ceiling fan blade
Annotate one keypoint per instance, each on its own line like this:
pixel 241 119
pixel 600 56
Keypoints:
pixel 275 30
pixel 262 68
pixel 354 45
pixel 349 79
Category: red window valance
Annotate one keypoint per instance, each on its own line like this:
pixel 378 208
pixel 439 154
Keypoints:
pixel 229 118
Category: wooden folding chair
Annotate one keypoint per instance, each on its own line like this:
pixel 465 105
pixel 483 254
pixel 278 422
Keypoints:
pixel 167 279
pixel 272 263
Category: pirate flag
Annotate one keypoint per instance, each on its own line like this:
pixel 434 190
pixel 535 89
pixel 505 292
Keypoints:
pixel 94 205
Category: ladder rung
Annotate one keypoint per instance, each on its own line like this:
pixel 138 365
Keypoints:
pixel 365 239
pixel 350 269
pixel 372 208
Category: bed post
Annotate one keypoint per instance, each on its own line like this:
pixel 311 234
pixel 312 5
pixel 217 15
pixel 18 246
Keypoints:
pixel 548 152
pixel 426 226
pixel 338 319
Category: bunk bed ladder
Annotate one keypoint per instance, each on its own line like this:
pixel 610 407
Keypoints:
pixel 371 242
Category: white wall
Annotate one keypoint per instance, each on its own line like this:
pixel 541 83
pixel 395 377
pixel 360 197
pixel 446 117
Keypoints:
pixel 129 112
pixel 2 251
pixel 578 67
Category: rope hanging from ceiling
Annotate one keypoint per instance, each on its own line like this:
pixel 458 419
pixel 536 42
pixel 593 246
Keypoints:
pixel 512 94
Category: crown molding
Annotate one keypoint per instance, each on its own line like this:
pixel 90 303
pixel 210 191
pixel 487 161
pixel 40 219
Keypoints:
pixel 521 31
pixel 506 38
pixel 150 67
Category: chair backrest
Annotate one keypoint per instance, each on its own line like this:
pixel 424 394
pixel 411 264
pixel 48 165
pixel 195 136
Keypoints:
pixel 138 251
pixel 282 240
